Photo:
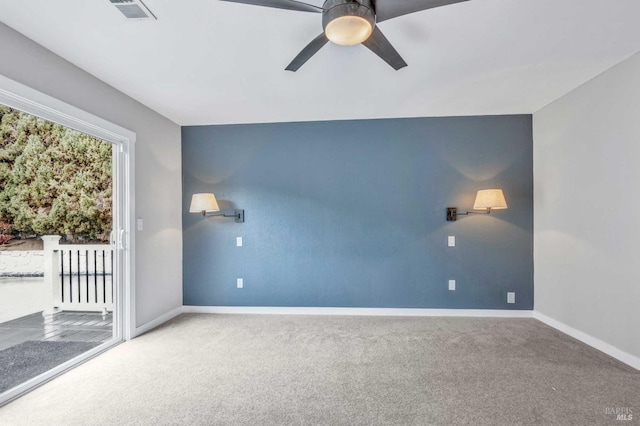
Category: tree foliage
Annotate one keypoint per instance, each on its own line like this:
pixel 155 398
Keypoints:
pixel 53 180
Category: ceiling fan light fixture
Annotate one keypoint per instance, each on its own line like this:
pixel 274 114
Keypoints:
pixel 348 30
pixel 348 22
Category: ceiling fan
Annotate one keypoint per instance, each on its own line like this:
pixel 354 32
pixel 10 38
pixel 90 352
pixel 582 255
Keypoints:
pixel 350 22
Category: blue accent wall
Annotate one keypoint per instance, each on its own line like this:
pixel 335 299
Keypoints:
pixel 352 213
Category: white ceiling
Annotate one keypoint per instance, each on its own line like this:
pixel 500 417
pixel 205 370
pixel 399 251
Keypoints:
pixel 213 62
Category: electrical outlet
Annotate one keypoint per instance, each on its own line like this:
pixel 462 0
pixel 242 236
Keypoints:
pixel 451 241
pixel 238 241
pixel 140 224
pixel 240 283
pixel 511 297
pixel 452 285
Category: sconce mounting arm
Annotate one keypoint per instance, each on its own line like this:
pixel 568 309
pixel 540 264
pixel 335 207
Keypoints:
pixel 238 214
pixel 452 213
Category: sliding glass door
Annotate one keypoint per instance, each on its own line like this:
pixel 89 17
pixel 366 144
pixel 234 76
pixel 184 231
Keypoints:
pixel 64 261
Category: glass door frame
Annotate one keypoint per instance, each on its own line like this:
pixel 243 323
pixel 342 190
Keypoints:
pixel 24 98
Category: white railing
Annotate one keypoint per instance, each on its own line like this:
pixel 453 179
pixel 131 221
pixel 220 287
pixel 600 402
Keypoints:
pixel 78 277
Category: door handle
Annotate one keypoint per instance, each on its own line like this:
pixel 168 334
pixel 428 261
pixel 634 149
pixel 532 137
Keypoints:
pixel 121 239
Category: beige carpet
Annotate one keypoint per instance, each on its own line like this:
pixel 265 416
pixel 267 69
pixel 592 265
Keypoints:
pixel 314 370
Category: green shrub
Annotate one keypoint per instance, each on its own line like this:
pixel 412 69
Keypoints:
pixel 53 180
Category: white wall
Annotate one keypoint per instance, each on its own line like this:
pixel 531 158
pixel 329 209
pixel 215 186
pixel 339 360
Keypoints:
pixel 587 208
pixel 19 262
pixel 158 266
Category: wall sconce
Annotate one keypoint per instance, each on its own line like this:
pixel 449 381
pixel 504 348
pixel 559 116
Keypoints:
pixel 487 199
pixel 208 206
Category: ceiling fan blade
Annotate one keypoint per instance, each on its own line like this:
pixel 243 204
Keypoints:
pixel 310 50
pixel 378 44
pixel 388 9
pixel 281 4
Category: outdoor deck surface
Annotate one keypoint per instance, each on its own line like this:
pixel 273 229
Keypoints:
pixel 64 326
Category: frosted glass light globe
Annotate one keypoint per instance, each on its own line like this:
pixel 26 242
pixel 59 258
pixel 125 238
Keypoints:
pixel 348 30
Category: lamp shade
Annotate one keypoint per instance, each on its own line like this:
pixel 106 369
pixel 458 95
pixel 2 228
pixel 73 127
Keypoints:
pixel 490 199
pixel 203 203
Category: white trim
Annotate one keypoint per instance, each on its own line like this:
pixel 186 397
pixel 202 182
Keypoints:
pixel 389 312
pixel 158 321
pixel 275 310
pixel 19 96
pixel 24 98
pixel 610 350
pixel 594 342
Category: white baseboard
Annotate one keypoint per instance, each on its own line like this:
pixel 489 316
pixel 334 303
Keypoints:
pixel 390 312
pixel 277 310
pixel 594 342
pixel 158 321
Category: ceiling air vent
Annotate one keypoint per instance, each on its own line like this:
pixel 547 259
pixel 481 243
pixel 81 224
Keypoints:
pixel 133 9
